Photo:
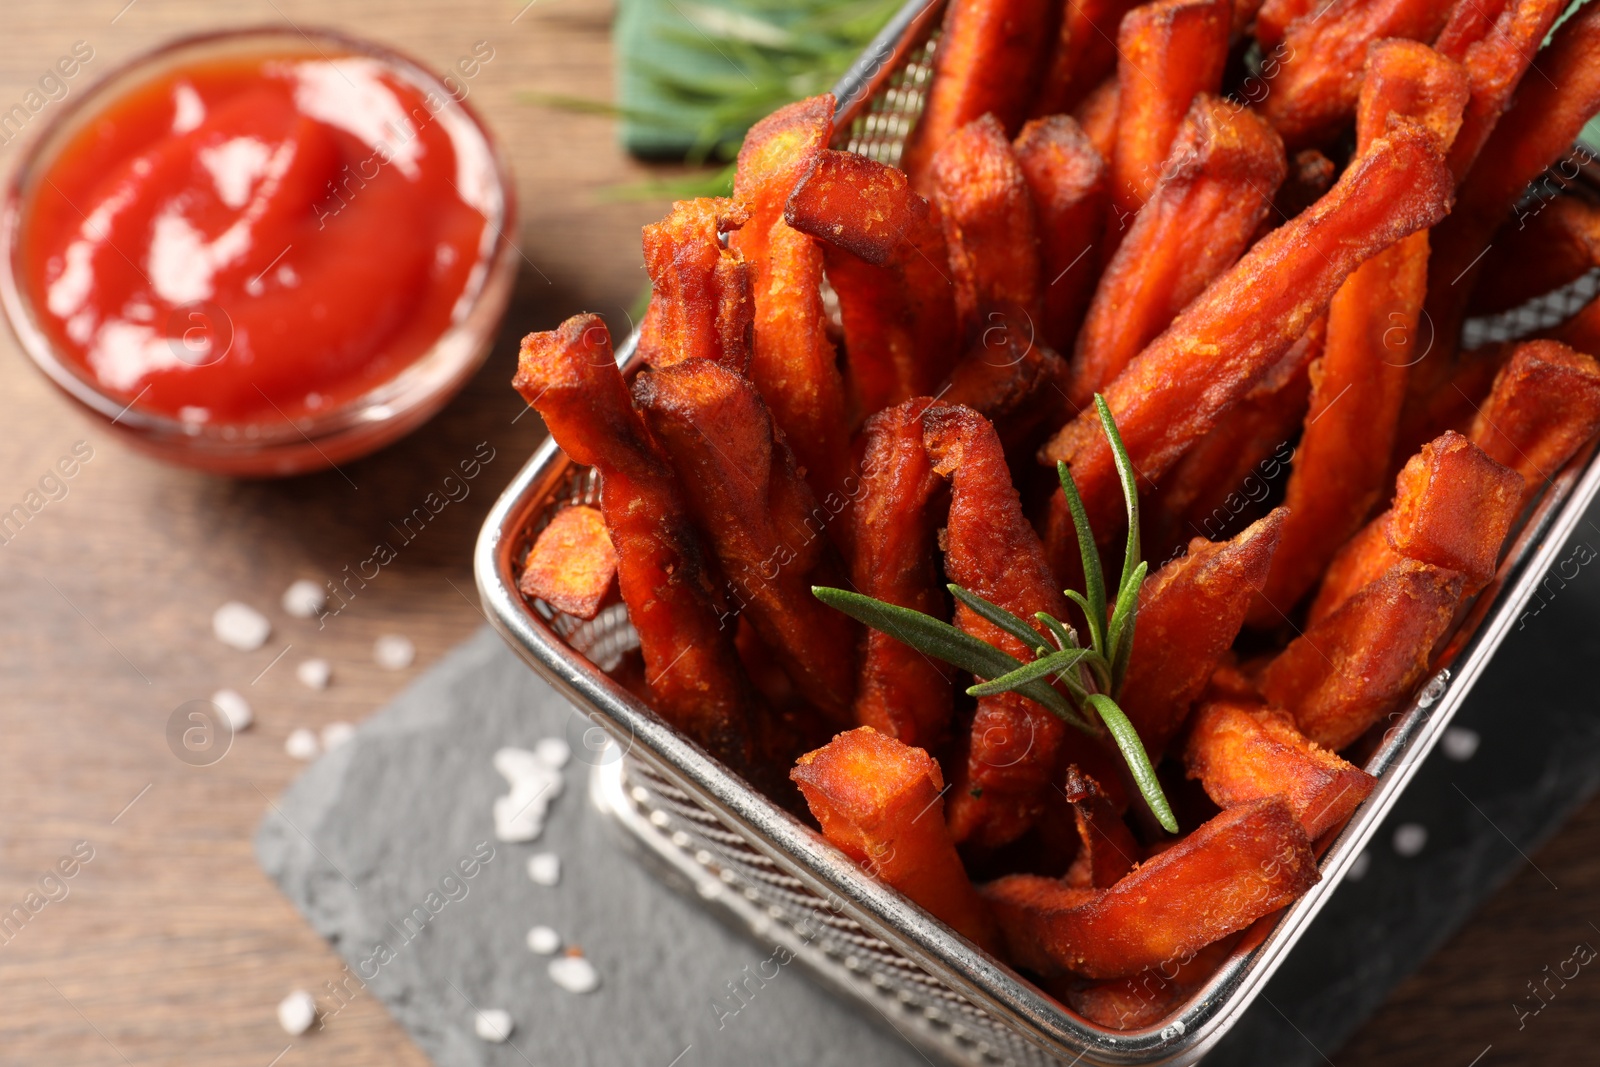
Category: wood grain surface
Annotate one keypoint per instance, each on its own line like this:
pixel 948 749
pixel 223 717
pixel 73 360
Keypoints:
pixel 171 947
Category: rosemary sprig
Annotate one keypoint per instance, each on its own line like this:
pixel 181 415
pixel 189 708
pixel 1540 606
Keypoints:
pixel 1091 675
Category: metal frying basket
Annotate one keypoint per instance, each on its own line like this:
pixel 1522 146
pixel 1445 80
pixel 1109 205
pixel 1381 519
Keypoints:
pixel 707 831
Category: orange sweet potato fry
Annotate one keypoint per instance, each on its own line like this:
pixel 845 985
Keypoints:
pixel 763 522
pixel 884 252
pixel 792 362
pixel 991 550
pixel 1107 850
pixel 1274 17
pixel 1066 177
pixel 1213 193
pixel 989 61
pixel 1452 508
pixel 702 289
pixel 990 226
pixel 1361 561
pixel 1246 862
pixel 1554 243
pixel 1359 385
pixel 696 681
pixel 1246 320
pixel 1144 999
pixel 1495 40
pixel 1451 405
pixel 1097 114
pixel 1241 753
pixel 880 801
pixel 572 564
pixel 1549 109
pixel 1013 382
pixel 1347 670
pixel 1544 405
pixel 1314 92
pixel 1189 613
pixel 902 693
pixel 1581 331
pixel 1085 54
pixel 1170 50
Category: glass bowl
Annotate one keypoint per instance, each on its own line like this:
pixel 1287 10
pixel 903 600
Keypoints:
pixel 276 445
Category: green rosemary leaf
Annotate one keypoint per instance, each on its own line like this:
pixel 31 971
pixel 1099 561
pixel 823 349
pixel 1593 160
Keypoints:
pixel 939 639
pixel 1094 583
pixel 1130 491
pixel 1002 618
pixel 1123 621
pixel 1127 739
pixel 1042 667
pixel 1064 634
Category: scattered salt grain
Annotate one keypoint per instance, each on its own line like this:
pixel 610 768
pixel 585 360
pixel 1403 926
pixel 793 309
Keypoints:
pixel 520 814
pixel 574 973
pixel 305 599
pixel 315 673
pixel 234 708
pixel 335 734
pixel 1459 743
pixel 544 868
pixel 240 626
pixel 493 1025
pixel 554 751
pixel 302 744
pixel 1358 869
pixel 1410 838
pixel 394 652
pixel 296 1013
pixel 543 940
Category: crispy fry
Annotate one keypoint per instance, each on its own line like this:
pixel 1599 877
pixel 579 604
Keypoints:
pixel 763 522
pixel 1107 850
pixel 792 361
pixel 1214 191
pixel 989 61
pixel 1242 753
pixel 1222 481
pixel 1544 405
pixel 991 550
pixel 1170 50
pixel 694 675
pixel 1097 114
pixel 572 565
pixel 1067 179
pixel 1085 54
pixel 885 256
pixel 1244 863
pixel 1347 670
pixel 1311 175
pixel 990 226
pixel 1013 382
pixel 1359 384
pixel 902 693
pixel 702 288
pixel 1144 999
pixel 1315 90
pixel 1189 613
pixel 1539 129
pixel 1495 40
pixel 1361 561
pixel 880 801
pixel 1538 253
pixel 1247 319
pixel 1273 19
pixel 1452 508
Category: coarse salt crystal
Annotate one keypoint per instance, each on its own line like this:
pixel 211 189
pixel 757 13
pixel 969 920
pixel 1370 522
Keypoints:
pixel 544 868
pixel 335 734
pixel 553 751
pixel 493 1024
pixel 305 599
pixel 240 626
pixel 315 673
pixel 394 652
pixel 519 815
pixel 296 1012
pixel 543 940
pixel 574 973
pixel 1460 743
pixel 234 708
pixel 302 744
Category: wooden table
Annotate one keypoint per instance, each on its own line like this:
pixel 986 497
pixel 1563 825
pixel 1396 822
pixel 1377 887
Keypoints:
pixel 171 946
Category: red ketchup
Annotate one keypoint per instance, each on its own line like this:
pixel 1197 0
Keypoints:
pixel 257 239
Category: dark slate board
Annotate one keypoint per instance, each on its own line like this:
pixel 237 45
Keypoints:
pixel 361 839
